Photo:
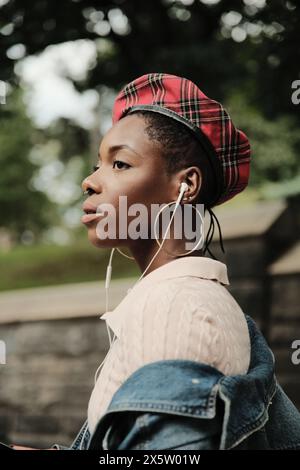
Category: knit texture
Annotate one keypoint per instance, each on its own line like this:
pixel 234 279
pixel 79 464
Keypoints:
pixel 187 317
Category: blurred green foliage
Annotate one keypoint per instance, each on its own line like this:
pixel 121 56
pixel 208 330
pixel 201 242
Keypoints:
pixel 252 45
pixel 21 206
pixel 243 53
pixel 275 148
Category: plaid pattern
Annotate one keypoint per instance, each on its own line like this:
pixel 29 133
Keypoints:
pixel 179 97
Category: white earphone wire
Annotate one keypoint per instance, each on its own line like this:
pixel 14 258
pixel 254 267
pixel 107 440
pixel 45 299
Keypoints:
pixel 183 188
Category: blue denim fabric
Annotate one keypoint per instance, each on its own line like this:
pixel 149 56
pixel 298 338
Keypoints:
pixel 181 404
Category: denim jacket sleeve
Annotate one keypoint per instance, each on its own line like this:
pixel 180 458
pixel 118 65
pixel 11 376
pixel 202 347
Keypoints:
pixel 163 405
pixel 156 431
pixel 182 404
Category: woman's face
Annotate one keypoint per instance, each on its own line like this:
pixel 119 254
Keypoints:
pixel 129 164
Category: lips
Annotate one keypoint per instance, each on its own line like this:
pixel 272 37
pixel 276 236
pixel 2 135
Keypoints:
pixel 89 208
pixel 90 213
pixel 88 218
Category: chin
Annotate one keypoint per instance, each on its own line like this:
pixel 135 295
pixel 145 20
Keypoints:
pixel 98 242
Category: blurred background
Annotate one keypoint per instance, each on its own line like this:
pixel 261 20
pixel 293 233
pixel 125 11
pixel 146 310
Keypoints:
pixel 61 66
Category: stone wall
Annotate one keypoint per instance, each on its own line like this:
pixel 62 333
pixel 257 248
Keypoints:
pixel 46 383
pixel 284 321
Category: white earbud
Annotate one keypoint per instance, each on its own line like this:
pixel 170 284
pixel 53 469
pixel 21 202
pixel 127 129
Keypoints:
pixel 183 187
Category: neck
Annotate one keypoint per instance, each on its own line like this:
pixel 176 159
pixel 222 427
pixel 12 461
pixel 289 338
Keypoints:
pixel 146 249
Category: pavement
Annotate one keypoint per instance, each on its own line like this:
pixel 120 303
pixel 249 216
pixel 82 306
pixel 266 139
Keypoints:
pixel 62 301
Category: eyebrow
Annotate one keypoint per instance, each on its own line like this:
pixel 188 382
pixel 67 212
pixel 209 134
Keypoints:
pixel 115 148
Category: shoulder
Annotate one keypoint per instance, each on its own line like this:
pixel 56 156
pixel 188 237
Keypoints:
pixel 158 299
pixel 167 320
pixel 189 318
pixel 188 296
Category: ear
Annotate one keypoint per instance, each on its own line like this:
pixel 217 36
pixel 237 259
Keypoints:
pixel 192 176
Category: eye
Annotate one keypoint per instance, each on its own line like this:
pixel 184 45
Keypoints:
pixel 95 168
pixel 120 162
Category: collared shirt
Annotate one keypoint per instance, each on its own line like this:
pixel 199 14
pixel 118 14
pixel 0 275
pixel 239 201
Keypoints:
pixel 181 310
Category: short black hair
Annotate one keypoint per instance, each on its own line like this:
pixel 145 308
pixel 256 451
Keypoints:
pixel 180 149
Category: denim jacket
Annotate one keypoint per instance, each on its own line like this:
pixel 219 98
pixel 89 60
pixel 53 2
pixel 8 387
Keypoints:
pixel 182 404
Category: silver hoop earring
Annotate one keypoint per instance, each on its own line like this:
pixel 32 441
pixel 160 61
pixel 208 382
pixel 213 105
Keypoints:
pixel 126 256
pixel 159 244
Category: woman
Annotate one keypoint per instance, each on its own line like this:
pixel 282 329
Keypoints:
pixel 186 368
pixel 169 144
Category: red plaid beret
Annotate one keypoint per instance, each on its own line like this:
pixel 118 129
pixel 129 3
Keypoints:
pixel 226 148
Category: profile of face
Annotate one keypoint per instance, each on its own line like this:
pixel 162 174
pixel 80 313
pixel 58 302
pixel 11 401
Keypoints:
pixel 131 165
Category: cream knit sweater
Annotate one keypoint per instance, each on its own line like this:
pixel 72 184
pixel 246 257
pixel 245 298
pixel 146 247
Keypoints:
pixel 181 310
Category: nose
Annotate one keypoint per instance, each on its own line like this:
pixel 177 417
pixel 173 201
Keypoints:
pixel 88 186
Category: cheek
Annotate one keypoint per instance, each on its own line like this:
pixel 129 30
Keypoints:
pixel 148 193
pixel 146 187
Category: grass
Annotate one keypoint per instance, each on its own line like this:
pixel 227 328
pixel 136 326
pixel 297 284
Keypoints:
pixel 42 265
